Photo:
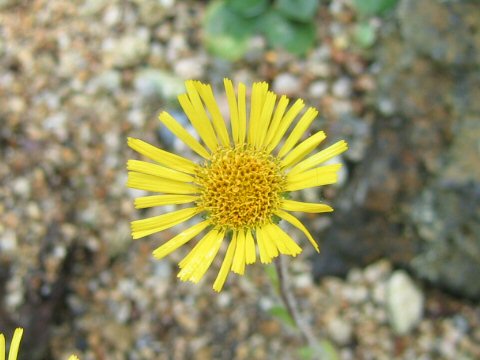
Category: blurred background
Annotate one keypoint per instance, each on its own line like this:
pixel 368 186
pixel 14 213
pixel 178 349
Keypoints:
pixel 399 272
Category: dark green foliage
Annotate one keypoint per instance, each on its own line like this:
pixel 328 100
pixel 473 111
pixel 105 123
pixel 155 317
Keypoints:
pixel 295 37
pixel 226 33
pixel 300 10
pixel 248 8
pixel 287 24
pixel 374 7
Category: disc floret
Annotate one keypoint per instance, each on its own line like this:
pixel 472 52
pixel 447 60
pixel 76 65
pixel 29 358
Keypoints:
pixel 241 187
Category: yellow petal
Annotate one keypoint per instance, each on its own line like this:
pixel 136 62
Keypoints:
pixel 195 251
pixel 272 236
pixel 323 175
pixel 202 268
pixel 320 157
pixel 195 256
pixel 277 117
pixel 180 239
pixel 199 121
pixel 291 205
pixel 232 103
pixel 304 148
pixel 2 347
pixel 162 157
pixel 295 222
pixel 267 248
pixel 298 131
pixel 269 244
pixel 265 118
pixel 259 91
pixel 290 244
pixel 158 170
pixel 15 345
pixel 144 227
pixel 157 184
pixel 242 113
pixel 225 268
pixel 207 249
pixel 160 200
pixel 238 265
pixel 250 252
pixel 180 132
pixel 73 357
pixel 208 98
pixel 285 123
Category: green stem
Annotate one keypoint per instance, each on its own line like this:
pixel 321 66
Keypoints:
pixel 291 305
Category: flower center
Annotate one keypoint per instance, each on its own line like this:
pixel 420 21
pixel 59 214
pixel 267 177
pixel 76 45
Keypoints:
pixel 240 187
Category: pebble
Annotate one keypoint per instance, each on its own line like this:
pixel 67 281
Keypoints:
pixel 340 330
pixel 342 87
pixel 286 84
pixel 190 68
pixel 317 89
pixel 127 51
pixel 404 302
pixel 8 242
pixel 150 82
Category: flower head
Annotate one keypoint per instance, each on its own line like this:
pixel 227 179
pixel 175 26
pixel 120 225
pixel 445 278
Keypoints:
pixel 241 187
pixel 15 345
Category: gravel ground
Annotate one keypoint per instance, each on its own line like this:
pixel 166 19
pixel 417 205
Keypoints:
pixel 77 78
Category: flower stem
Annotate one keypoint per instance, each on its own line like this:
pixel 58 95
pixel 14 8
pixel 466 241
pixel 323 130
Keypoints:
pixel 291 305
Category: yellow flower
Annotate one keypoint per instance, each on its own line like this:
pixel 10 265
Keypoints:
pixel 241 186
pixel 14 346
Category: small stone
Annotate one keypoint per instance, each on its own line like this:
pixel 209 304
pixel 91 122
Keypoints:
pixel 21 187
pixel 340 330
pixel 109 80
pixel 318 88
pixel 355 294
pixel 342 87
pixel 127 51
pixel 286 84
pixel 190 68
pixel 404 302
pixel 151 82
pixel 8 242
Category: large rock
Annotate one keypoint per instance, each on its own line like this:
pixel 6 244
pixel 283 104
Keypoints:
pixel 446 31
pixel 416 198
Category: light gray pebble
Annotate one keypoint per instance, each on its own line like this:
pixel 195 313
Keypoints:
pixel 8 241
pixel 340 330
pixel 318 89
pixel 286 84
pixel 153 83
pixel 127 51
pixel 190 68
pixel 404 302
pixel 342 87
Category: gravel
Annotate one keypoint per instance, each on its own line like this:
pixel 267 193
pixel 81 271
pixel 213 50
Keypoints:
pixel 76 80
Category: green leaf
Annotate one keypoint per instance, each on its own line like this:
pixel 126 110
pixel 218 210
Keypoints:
pixel 324 350
pixel 248 8
pixel 329 352
pixel 364 35
pixel 226 33
pixel 292 36
pixel 281 313
pixel 300 10
pixel 306 353
pixel 374 7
